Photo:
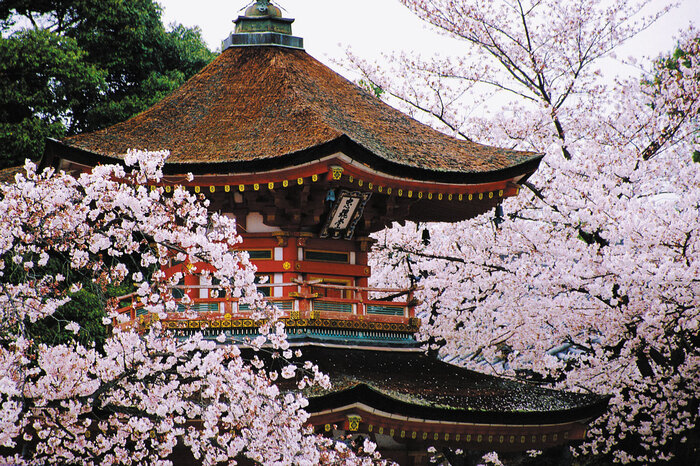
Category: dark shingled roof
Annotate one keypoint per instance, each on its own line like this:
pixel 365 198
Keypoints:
pixel 417 385
pixel 256 104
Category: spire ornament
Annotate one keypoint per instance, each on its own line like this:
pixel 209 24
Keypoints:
pixel 262 8
pixel 262 5
pixel 263 24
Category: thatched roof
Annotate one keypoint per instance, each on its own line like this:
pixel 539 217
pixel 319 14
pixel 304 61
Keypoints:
pixel 274 105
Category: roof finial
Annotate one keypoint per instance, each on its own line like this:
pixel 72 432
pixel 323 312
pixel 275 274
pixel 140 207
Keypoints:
pixel 263 24
pixel 262 5
pixel 263 8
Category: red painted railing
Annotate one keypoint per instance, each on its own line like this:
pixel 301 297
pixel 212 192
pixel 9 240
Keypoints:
pixel 303 303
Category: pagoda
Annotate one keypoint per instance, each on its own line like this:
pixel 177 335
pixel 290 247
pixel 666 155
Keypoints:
pixel 310 165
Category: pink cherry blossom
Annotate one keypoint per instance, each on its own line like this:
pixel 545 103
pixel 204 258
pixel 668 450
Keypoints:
pixel 592 280
pixel 133 400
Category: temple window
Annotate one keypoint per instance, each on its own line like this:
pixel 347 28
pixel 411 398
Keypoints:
pixel 260 254
pixel 326 256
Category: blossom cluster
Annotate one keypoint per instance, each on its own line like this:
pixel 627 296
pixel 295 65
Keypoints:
pixel 591 279
pixel 136 397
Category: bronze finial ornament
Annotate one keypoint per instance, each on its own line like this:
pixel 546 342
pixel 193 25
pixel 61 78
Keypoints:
pixel 263 24
pixel 262 5
pixel 262 8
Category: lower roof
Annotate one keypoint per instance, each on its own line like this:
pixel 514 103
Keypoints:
pixel 420 386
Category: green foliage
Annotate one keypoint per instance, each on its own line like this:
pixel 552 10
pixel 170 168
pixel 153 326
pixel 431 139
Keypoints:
pixel 190 52
pixel 43 76
pixel 677 62
pixel 82 65
pixel 86 308
pixel 370 87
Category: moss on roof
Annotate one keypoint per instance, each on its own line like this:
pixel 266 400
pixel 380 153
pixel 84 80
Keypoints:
pixel 267 103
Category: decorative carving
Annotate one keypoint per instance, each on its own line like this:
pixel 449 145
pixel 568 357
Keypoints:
pixel 282 237
pixel 336 172
pixel 303 239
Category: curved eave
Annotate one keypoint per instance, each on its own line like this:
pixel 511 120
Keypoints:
pixel 366 395
pixel 56 150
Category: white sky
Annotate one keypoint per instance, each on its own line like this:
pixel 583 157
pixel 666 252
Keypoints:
pixel 373 26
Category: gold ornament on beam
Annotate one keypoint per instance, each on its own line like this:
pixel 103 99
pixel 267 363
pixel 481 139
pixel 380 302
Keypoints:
pixel 354 423
pixel 336 172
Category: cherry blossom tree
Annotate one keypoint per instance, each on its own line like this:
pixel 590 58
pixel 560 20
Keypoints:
pixel 590 279
pixel 134 398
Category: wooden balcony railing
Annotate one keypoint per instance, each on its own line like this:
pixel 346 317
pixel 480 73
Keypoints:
pixel 303 303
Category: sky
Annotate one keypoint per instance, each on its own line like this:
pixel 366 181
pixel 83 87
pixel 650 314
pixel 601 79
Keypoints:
pixel 374 26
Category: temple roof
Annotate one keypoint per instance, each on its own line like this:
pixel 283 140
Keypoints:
pixel 417 385
pixel 258 105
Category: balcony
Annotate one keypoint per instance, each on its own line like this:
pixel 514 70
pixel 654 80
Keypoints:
pixel 305 311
